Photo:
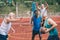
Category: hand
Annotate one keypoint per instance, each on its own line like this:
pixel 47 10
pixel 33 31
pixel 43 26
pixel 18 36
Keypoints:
pixel 47 30
pixel 14 31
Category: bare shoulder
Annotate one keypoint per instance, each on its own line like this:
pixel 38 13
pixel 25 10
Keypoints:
pixel 7 19
pixel 51 21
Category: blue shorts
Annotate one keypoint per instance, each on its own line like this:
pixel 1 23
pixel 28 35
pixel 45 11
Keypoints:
pixel 54 37
pixel 3 37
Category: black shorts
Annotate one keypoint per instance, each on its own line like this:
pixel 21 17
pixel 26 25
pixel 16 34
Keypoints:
pixel 3 37
pixel 35 32
pixel 55 37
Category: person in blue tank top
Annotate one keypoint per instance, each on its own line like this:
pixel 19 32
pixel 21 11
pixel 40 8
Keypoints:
pixel 36 20
pixel 51 28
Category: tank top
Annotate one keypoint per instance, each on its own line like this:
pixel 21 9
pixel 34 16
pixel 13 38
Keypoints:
pixel 4 28
pixel 36 23
pixel 51 32
pixel 43 12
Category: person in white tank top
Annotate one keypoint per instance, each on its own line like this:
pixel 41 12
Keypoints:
pixel 4 28
pixel 6 25
pixel 43 9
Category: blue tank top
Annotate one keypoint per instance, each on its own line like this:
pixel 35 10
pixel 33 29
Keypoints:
pixel 36 23
pixel 51 32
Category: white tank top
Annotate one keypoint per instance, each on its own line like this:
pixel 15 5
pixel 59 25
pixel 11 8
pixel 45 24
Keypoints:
pixel 4 28
pixel 43 12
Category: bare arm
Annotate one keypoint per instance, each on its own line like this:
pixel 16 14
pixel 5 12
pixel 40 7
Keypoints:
pixel 38 8
pixel 31 20
pixel 51 22
pixel 12 20
pixel 13 29
pixel 46 5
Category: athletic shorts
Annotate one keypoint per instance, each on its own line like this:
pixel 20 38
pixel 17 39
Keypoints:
pixel 35 32
pixel 55 37
pixel 3 37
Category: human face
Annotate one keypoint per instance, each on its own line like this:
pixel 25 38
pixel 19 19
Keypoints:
pixel 37 13
pixel 12 15
pixel 42 6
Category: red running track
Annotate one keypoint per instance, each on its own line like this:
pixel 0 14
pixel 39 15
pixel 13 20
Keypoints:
pixel 24 30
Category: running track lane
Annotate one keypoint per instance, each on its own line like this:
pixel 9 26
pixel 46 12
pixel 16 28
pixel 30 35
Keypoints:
pixel 24 30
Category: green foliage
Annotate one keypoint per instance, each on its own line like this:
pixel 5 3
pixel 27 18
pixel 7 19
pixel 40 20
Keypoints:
pixel 25 5
pixel 57 8
pixel 2 4
pixel 28 3
pixel 58 1
pixel 7 9
pixel 54 8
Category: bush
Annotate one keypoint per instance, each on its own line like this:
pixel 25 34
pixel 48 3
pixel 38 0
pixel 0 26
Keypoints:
pixel 2 4
pixel 28 3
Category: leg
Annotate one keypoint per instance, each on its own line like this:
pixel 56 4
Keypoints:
pixel 53 38
pixel 56 37
pixel 3 38
pixel 33 35
pixel 50 38
pixel 40 37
